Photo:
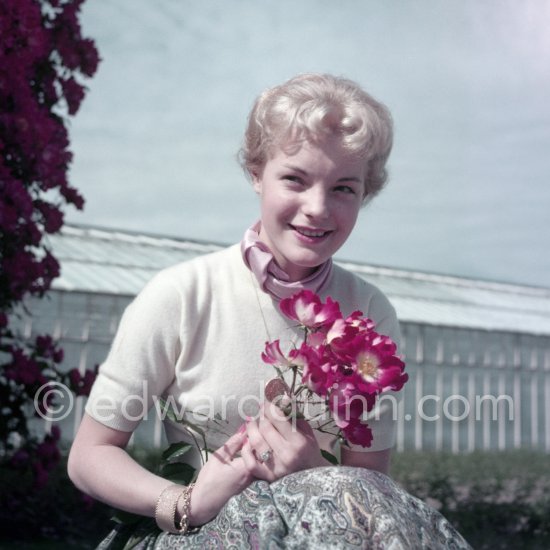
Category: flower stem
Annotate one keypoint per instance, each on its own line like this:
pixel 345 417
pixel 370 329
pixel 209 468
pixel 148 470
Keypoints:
pixel 294 371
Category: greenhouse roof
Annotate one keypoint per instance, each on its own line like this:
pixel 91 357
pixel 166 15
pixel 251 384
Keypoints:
pixel 107 261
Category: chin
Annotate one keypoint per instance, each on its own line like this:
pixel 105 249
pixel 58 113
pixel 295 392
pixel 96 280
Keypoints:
pixel 309 263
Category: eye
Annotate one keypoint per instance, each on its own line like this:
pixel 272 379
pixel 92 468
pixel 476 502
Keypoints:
pixel 348 189
pixel 292 178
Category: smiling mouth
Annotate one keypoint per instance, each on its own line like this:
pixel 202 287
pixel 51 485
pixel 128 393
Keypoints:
pixel 311 233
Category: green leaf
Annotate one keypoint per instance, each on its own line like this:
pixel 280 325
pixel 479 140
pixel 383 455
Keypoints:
pixel 145 529
pixel 168 411
pixel 127 518
pixel 330 457
pixel 178 472
pixel 176 450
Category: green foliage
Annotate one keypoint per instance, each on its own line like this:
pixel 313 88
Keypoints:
pixel 495 500
pixel 56 515
pixel 330 457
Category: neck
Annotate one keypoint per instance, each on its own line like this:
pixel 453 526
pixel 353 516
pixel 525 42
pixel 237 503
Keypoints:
pixel 271 276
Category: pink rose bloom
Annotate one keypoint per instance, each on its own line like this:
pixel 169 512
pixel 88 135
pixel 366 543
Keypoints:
pixel 306 308
pixel 376 368
pixel 347 404
pixel 317 369
pixel 273 354
pixel 358 433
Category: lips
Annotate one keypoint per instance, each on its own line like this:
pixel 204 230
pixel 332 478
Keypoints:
pixel 311 233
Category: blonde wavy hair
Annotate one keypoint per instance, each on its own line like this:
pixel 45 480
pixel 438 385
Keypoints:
pixel 311 107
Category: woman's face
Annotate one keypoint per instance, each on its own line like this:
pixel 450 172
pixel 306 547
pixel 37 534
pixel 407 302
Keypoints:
pixel 310 197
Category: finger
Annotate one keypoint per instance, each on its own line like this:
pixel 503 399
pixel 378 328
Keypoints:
pixel 256 438
pixel 272 418
pixel 271 410
pixel 305 427
pixel 250 461
pixel 273 438
pixel 231 447
pixel 282 436
pixel 257 469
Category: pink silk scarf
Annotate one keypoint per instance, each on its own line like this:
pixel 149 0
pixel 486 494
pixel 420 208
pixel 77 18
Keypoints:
pixel 271 278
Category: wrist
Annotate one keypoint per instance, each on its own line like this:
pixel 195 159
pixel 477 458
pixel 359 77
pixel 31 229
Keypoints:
pixel 182 515
pixel 196 511
pixel 165 509
pixel 173 507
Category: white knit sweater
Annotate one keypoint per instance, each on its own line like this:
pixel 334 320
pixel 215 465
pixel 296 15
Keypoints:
pixel 194 335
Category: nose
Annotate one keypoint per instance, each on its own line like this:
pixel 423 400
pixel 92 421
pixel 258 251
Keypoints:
pixel 316 203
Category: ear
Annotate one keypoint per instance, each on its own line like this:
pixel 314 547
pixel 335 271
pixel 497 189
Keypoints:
pixel 256 182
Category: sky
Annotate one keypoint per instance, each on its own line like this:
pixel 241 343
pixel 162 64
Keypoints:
pixel 467 82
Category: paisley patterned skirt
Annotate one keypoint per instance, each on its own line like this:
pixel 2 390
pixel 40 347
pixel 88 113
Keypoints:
pixel 332 507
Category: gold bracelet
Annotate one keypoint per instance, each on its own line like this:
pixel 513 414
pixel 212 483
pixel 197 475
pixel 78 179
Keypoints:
pixel 186 507
pixel 165 510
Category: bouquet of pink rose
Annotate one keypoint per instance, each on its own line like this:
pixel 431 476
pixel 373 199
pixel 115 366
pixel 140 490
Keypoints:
pixel 343 365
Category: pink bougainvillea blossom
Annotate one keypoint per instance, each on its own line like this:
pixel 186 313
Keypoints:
pixel 44 63
pixel 81 384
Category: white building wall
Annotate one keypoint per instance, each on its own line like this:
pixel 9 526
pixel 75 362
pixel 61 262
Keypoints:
pixel 475 390
pixel 468 390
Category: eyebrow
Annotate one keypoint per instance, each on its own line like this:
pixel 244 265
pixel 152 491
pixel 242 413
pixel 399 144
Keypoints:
pixel 305 173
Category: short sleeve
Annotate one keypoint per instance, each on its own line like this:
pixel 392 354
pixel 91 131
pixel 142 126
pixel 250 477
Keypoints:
pixel 141 362
pixel 387 323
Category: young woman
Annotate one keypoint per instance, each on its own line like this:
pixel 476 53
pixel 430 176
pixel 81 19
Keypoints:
pixel 315 149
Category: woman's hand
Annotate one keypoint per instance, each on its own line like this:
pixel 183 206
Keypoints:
pixel 291 445
pixel 225 474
